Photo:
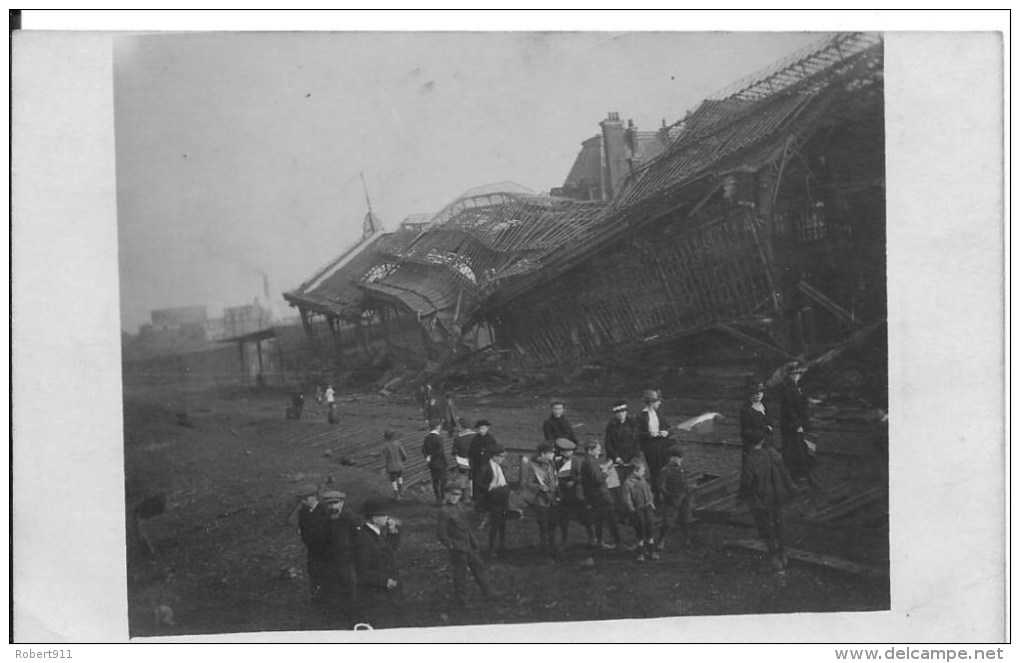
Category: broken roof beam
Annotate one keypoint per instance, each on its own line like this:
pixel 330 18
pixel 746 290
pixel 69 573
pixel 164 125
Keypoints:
pixel 816 295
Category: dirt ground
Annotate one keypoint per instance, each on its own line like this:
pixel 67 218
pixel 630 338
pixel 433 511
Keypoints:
pixel 227 559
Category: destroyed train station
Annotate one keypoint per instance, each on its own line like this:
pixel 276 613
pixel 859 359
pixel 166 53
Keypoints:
pixel 656 389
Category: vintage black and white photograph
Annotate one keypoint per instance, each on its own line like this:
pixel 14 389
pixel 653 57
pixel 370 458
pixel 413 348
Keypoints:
pixel 435 329
pixel 515 336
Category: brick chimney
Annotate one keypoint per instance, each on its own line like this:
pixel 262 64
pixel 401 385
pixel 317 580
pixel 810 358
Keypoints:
pixel 614 155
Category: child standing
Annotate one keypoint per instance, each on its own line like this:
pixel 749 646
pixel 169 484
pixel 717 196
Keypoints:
pixel 497 499
pixel 455 535
pixel 676 498
pixel 540 483
pixel 639 503
pixel 395 458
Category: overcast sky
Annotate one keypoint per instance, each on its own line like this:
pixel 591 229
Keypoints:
pixel 240 153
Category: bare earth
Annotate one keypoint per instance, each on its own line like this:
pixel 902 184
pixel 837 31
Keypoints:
pixel 227 561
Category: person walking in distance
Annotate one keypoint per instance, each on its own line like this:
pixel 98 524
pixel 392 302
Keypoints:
pixel 435 457
pixel 395 457
pixel 330 396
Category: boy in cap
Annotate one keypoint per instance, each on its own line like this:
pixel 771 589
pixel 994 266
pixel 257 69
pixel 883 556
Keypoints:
pixel 313 525
pixel 640 507
pixel 393 454
pixel 379 585
pixel 596 494
pixel 540 486
pixel 571 504
pixel 497 498
pixel 339 584
pixel 676 498
pixel 435 457
pixel 653 434
pixel 455 535
pixel 765 485
pixel 557 425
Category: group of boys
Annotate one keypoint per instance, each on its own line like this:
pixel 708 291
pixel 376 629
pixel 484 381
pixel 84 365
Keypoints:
pixel 641 482
pixel 352 565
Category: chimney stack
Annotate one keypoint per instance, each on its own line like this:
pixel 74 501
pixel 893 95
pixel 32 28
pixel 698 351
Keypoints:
pixel 614 155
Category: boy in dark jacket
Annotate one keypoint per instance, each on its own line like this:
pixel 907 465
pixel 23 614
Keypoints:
pixel 497 498
pixel 557 425
pixel 640 506
pixel 455 535
pixel 435 457
pixel 596 494
pixel 676 498
pixel 379 588
pixel 765 485
pixel 394 456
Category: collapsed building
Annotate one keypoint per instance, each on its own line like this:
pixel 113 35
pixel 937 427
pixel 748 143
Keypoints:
pixel 758 217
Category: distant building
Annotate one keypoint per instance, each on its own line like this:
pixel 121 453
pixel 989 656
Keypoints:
pixel 607 158
pixel 241 320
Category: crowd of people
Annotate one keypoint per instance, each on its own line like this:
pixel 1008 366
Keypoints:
pixel 634 476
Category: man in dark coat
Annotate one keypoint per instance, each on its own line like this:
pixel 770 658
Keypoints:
pixel 339 580
pixel 596 494
pixel 794 422
pixel 557 425
pixel 653 435
pixel 765 485
pixel 380 593
pixel 478 457
pixel 622 440
pixel 435 457
pixel 313 525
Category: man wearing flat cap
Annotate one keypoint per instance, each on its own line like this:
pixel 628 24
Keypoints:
pixel 313 525
pixel 380 591
pixel 557 425
pixel 653 434
pixel 339 584
pixel 571 505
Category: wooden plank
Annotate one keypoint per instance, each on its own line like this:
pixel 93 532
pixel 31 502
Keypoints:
pixel 814 559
